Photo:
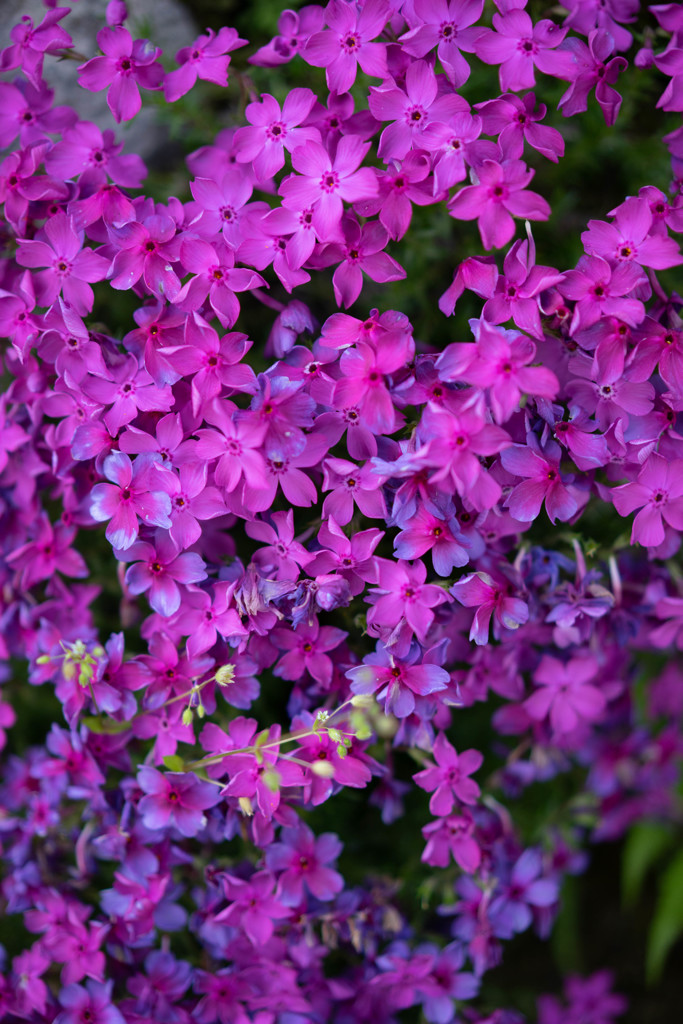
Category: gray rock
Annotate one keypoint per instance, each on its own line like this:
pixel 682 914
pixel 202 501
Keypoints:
pixel 167 23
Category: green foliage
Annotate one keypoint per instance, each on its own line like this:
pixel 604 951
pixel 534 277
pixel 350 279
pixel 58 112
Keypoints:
pixel 646 845
pixel 667 925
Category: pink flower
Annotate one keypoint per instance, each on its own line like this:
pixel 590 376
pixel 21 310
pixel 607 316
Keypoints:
pixel 592 70
pixel 565 694
pixel 630 238
pixel 499 194
pixel 126 64
pixel 322 182
pixel 411 111
pixel 136 489
pixel 274 131
pixel 351 485
pixel 490 598
pixel 206 58
pixel 175 800
pixel 601 290
pixel 543 483
pixel 517 44
pixel 514 120
pixel 301 860
pixel 70 266
pixel 452 836
pixel 363 383
pixel 348 42
pixel 446 25
pixel 450 782
pixel 402 598
pixel 658 493
pixel 160 569
pixel 306 649
pixel 362 251
pixel 146 249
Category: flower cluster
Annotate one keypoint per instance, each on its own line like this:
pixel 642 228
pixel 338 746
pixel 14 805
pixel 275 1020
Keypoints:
pixel 324 549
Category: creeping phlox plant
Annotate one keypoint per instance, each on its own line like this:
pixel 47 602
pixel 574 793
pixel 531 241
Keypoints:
pixel 321 547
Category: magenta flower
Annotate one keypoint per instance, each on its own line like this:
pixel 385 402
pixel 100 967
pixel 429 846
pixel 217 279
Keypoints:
pixel 502 366
pixel 294 28
pixel 126 65
pixel 92 156
pixel 591 70
pixel 518 289
pixel 206 58
pixel 175 800
pixel 543 482
pixel 452 837
pixel 515 121
pixel 658 493
pixel 253 907
pixel 565 695
pixel 362 251
pixel 322 182
pixel 70 267
pixel 599 290
pixel 433 528
pixel 31 42
pixel 92 1003
pixel 49 552
pixel 411 111
pixel 273 131
pixel 347 42
pixel 307 650
pixel 446 25
pixel 222 205
pixel 236 443
pixel 363 384
pixel 491 599
pixel 403 599
pixel 282 557
pixel 499 194
pixel 302 861
pixel 400 186
pixel 448 781
pixel 352 559
pixel 397 683
pixel 136 489
pixel 160 569
pixel 146 249
pixel 629 238
pixel 519 45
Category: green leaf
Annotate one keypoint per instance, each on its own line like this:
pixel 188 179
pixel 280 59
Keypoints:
pixel 104 726
pixel 174 763
pixel 667 925
pixel 645 846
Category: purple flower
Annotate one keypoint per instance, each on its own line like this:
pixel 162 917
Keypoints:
pixel 160 569
pixel 658 493
pixel 446 25
pixel 452 837
pixel 543 483
pixel 591 70
pixel 136 489
pixel 519 45
pixel 398 682
pixel 302 860
pixel 321 183
pixel 175 799
pixel 630 238
pixel 565 695
pixel 450 782
pixel 347 42
pixel 206 58
pixel 274 130
pixel 498 195
pixel 126 64
pixel 514 898
pixel 92 1004
pixel 253 907
pixel 70 267
pixel 479 590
